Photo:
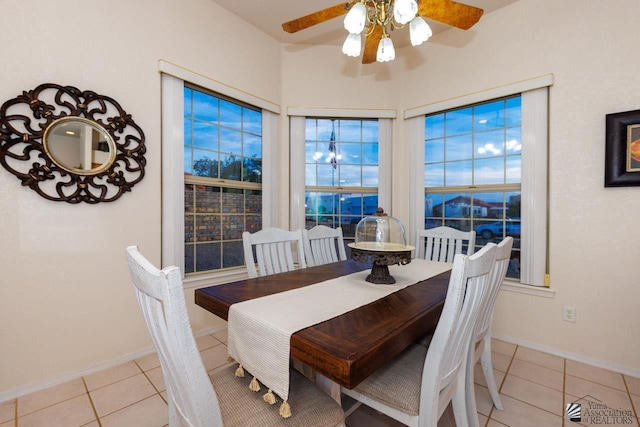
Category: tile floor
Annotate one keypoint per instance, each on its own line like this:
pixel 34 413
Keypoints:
pixel 535 388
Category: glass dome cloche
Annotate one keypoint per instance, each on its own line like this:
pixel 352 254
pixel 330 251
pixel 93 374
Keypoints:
pixel 380 239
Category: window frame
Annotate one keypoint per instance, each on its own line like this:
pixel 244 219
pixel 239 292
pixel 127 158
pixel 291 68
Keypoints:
pixel 173 79
pixel 297 138
pixel 534 181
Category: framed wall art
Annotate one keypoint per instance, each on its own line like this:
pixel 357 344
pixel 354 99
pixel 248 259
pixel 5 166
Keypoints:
pixel 622 154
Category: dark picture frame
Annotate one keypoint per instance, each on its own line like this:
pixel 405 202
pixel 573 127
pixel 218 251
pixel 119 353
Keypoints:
pixel 622 154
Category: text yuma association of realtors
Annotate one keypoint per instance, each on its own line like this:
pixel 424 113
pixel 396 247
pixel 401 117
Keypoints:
pixel 598 413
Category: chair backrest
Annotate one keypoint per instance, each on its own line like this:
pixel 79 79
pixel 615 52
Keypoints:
pixel 192 399
pixel 443 243
pixel 274 251
pixel 323 245
pixel 446 357
pixel 498 273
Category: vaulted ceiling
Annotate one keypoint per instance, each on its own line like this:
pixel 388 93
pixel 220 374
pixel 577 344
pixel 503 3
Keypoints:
pixel 268 16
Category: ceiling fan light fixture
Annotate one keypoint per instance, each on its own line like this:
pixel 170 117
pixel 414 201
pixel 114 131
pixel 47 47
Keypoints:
pixel 352 45
pixel 386 52
pixel 404 10
pixel 356 18
pixel 419 31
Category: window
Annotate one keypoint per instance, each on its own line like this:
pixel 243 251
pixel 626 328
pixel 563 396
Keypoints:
pixel 480 162
pixel 473 172
pixel 340 166
pixel 218 175
pixel 223 179
pixel 341 172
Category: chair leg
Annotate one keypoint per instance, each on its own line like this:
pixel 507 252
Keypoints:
pixel 460 403
pixel 487 369
pixel 471 410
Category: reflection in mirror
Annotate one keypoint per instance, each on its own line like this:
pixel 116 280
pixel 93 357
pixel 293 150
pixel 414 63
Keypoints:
pixel 79 145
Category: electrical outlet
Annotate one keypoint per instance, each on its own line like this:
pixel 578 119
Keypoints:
pixel 568 314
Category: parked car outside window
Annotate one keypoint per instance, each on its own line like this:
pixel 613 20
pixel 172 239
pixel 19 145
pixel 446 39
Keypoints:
pixel 493 229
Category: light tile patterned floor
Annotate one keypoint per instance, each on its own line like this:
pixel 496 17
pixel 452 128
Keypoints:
pixel 535 388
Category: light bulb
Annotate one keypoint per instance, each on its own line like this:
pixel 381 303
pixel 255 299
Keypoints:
pixel 404 10
pixel 386 52
pixel 352 45
pixel 356 18
pixel 419 31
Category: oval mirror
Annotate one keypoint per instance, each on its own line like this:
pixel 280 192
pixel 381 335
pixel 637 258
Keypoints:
pixel 79 145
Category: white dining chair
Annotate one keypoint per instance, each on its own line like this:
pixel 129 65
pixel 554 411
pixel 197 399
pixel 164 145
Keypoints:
pixel 194 398
pixel 481 338
pixel 323 245
pixel 416 387
pixel 274 251
pixel 443 243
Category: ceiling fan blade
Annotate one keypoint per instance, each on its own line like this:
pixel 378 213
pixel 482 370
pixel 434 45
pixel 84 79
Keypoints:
pixel 450 12
pixel 315 18
pixel 371 45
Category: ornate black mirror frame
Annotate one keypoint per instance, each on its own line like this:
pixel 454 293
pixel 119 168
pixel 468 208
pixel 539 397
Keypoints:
pixel 24 122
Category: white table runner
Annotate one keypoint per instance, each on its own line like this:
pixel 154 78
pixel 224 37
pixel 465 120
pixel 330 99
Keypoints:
pixel 260 329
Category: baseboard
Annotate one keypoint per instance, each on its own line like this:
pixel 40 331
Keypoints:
pixel 571 356
pixel 41 385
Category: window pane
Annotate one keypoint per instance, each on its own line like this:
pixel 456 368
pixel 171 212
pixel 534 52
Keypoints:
pixel 232 254
pixel 208 256
pixel 370 176
pixel 434 150
pixel 205 107
pixel 514 169
pixel 205 135
pixel 350 153
pixel 434 175
pixel 489 144
pixel 488 171
pixel 230 114
pixel 489 116
pixel 222 139
pixel 350 131
pixel 459 121
pixel 434 126
pixel 252 146
pixel 252 121
pixel 513 145
pixel 350 176
pixel 370 131
pixel 458 173
pixel 230 141
pixel 459 148
pixel 369 154
pixel 204 164
pixel 513 115
pixel 327 175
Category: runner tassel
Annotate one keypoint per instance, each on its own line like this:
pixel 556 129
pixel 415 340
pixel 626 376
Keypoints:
pixel 269 397
pixel 229 359
pixel 285 410
pixel 253 385
pixel 240 372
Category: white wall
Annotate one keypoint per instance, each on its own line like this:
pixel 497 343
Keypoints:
pixel 593 239
pixel 588 47
pixel 66 300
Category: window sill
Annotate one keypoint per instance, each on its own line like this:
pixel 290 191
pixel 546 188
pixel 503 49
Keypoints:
pixel 538 291
pixel 212 279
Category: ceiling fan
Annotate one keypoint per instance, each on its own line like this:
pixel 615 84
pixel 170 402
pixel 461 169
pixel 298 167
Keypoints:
pixel 381 16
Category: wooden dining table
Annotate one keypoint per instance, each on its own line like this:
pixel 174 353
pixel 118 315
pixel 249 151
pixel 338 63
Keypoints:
pixel 348 348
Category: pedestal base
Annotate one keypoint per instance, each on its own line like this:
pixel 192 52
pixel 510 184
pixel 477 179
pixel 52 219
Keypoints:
pixel 381 261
